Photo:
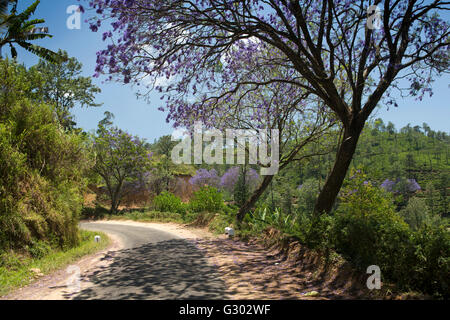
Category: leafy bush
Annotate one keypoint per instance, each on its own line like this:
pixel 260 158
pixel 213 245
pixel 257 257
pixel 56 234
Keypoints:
pixel 42 170
pixel 306 195
pixel 97 212
pixel 430 261
pixel 369 231
pixel 417 214
pixel 39 249
pixel 206 199
pixel 168 202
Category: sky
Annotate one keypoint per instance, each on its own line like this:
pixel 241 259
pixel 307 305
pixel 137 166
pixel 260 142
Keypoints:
pixel 143 118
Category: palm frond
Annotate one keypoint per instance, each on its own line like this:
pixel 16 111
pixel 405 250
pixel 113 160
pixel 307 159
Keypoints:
pixel 4 6
pixel 41 52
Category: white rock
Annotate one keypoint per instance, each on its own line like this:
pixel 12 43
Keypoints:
pixel 229 231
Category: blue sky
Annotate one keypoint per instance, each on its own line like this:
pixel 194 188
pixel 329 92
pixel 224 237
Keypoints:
pixel 142 118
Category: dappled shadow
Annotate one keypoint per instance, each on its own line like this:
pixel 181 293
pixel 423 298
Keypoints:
pixel 252 271
pixel 172 269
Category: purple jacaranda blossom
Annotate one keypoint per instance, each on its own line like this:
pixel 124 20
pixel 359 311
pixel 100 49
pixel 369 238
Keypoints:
pixel 388 185
pixel 400 185
pixel 231 176
pixel 204 177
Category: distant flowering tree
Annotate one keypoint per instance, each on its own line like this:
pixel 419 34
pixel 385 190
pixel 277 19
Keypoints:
pixel 229 179
pixel 231 176
pixel 120 159
pixel 388 185
pixel 204 177
pixel 328 49
pixel 401 185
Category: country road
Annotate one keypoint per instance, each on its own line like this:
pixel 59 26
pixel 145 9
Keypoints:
pixel 160 261
pixel 151 261
pixel 153 264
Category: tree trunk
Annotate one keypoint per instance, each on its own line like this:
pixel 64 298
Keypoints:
pixel 333 184
pixel 252 200
pixel 115 198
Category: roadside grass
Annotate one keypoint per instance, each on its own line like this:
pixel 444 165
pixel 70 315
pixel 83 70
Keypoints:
pixel 15 270
pixel 147 216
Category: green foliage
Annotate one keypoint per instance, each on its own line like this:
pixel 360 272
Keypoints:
pixel 120 158
pixel 429 261
pixel 241 189
pixel 306 195
pixel 17 83
pixel 64 87
pixel 168 202
pixel 417 214
pixel 41 182
pixel 42 169
pixel 97 212
pixel 368 230
pixel 39 249
pixel 263 217
pixel 206 199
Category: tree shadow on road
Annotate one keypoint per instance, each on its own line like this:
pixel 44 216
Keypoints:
pixel 172 269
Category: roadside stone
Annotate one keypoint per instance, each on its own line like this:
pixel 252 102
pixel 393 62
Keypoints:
pixel 36 272
pixel 312 294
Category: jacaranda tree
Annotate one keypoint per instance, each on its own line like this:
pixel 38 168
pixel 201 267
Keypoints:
pixel 342 52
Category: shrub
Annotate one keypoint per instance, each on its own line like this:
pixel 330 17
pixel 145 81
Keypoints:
pixel 39 249
pixel 306 195
pixel 41 178
pixel 369 231
pixel 263 217
pixel 430 261
pixel 417 214
pixel 168 202
pixel 206 199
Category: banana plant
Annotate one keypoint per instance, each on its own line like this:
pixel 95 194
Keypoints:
pixel 18 29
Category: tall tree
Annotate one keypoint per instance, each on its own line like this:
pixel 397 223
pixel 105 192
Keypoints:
pixel 120 158
pixel 64 87
pixel 349 62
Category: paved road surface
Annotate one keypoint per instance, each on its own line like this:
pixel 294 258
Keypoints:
pixel 153 265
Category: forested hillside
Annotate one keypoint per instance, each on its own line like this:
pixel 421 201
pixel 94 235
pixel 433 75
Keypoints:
pixel 388 155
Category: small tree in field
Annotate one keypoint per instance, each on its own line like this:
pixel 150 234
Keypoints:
pixel 120 158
